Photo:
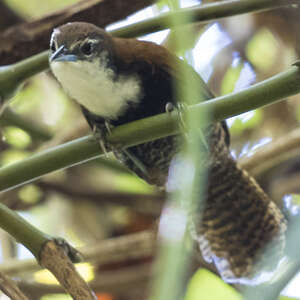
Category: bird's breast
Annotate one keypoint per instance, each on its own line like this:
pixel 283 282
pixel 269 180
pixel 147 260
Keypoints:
pixel 97 88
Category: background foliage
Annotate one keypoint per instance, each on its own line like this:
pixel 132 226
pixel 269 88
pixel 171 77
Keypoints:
pixel 230 55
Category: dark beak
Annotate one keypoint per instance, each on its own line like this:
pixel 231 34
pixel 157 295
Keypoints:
pixel 61 55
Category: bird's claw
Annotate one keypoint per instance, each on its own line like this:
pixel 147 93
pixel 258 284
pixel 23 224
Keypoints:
pixel 181 109
pixel 100 134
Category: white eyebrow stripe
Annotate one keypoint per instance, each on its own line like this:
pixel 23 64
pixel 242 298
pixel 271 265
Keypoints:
pixel 94 41
pixel 74 45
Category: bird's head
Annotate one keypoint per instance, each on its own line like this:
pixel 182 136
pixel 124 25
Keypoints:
pixel 79 41
pixel 82 58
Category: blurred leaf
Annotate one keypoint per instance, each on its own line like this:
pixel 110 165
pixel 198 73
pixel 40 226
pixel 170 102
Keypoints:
pixel 11 156
pixel 206 285
pixel 36 8
pixel 43 99
pixel 56 297
pixel 287 298
pixel 261 49
pixel 161 4
pixel 245 121
pixel 296 199
pixel 230 79
pixel 30 193
pixel 133 184
pixel 16 137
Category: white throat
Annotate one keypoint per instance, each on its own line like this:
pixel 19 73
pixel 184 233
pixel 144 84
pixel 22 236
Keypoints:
pixel 91 84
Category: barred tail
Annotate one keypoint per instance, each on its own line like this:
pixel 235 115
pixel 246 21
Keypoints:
pixel 238 220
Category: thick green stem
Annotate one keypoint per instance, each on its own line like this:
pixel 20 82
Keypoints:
pixel 12 76
pixel 39 164
pixel 174 258
pixel 22 231
pixel 202 13
pixel 269 91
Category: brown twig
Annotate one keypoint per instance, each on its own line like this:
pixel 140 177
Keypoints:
pixel 27 39
pixel 54 258
pixel 146 204
pixel 272 155
pixel 124 248
pixel 10 289
pixel 133 246
pixel 150 204
pixel 119 283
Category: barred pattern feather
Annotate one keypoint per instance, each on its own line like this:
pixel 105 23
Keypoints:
pixel 238 220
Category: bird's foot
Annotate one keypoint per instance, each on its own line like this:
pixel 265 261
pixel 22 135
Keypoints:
pixel 100 133
pixel 181 109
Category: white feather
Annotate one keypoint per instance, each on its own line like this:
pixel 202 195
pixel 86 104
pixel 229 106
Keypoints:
pixel 92 85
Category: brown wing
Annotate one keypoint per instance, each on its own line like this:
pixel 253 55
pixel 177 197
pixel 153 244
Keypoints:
pixel 133 50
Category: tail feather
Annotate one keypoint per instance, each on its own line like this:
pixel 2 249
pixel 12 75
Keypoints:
pixel 238 220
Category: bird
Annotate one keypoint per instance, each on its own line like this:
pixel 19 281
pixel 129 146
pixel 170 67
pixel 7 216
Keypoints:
pixel 118 80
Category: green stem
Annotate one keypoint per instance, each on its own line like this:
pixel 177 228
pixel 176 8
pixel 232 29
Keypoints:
pixel 269 91
pixel 202 13
pixel 12 76
pixel 173 257
pixel 39 164
pixel 22 231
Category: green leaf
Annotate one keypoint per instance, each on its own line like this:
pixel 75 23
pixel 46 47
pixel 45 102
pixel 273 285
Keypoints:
pixel 16 137
pixel 230 79
pixel 206 285
pixel 266 45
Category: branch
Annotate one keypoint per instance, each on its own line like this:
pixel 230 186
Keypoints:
pixel 149 204
pixel 54 258
pixel 26 39
pixel 10 289
pixel 34 37
pixel 204 13
pixel 275 166
pixel 12 77
pixel 120 249
pixel 272 155
pixel 264 93
pixel 122 284
pixel 22 231
pixel 49 253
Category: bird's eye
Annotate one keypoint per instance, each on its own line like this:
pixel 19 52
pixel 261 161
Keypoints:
pixel 52 47
pixel 86 48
